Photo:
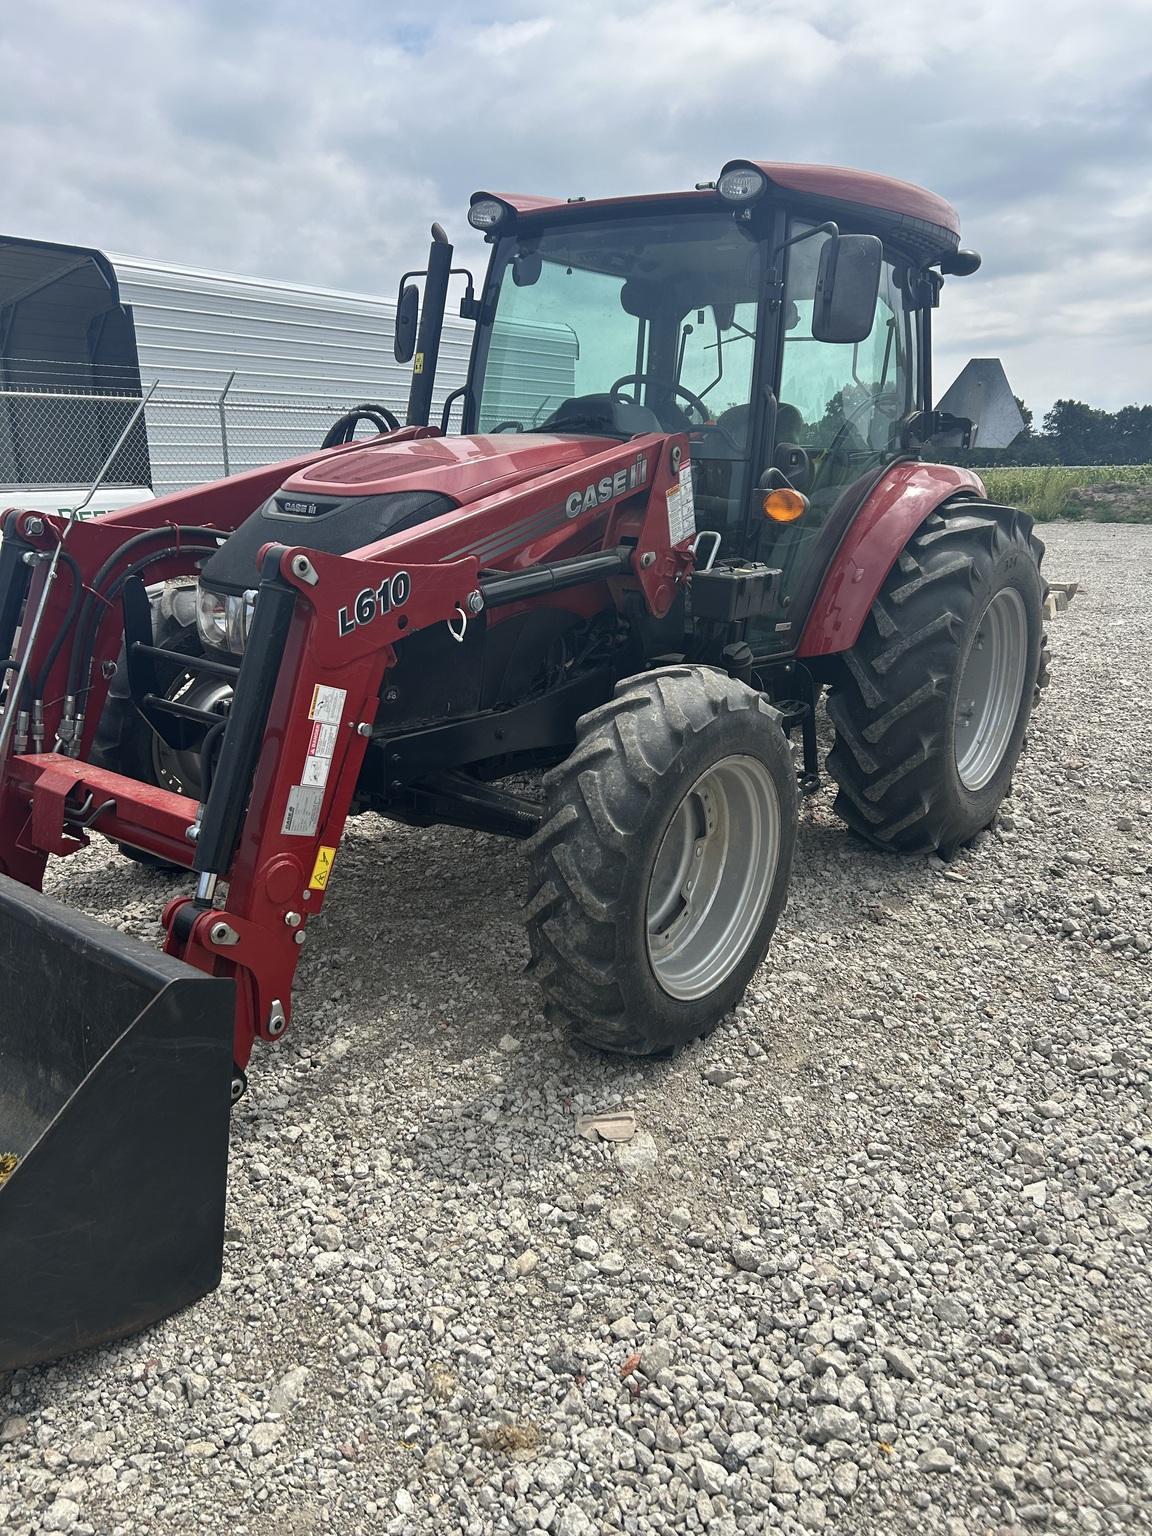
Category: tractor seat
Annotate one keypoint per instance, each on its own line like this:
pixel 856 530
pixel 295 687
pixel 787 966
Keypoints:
pixel 790 425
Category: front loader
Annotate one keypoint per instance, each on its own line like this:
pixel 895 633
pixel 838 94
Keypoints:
pixel 687 497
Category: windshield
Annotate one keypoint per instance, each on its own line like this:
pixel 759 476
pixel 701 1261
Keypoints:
pixel 658 314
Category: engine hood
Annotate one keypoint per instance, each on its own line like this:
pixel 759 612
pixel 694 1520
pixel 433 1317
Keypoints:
pixel 462 468
pixel 352 499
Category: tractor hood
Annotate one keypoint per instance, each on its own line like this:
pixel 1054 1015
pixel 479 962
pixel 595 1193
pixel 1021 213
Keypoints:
pixel 348 500
pixel 464 468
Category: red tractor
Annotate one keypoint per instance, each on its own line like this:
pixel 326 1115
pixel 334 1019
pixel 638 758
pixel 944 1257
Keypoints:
pixel 686 497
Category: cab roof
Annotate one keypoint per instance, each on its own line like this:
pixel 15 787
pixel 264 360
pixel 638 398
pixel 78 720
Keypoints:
pixel 926 217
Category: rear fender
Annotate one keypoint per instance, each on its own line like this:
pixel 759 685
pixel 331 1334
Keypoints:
pixel 887 518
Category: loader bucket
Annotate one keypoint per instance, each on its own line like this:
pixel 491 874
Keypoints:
pixel 115 1081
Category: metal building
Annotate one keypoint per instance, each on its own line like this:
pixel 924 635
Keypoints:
pixel 253 370
pixel 248 370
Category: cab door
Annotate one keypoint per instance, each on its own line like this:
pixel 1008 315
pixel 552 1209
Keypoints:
pixel 839 419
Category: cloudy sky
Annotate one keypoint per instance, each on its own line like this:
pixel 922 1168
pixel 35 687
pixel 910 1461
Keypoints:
pixel 295 139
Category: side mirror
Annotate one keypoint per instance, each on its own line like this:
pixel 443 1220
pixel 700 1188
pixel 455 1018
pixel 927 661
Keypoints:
pixel 526 269
pixel 847 287
pixel 407 318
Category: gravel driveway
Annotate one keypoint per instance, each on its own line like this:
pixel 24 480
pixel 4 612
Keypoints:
pixel 876 1261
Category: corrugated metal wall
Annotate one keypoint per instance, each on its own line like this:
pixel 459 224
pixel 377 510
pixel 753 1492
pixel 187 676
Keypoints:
pixel 195 328
pixel 248 372
pixel 300 357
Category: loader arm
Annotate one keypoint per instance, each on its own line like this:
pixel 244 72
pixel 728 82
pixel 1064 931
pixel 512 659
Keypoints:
pixel 322 640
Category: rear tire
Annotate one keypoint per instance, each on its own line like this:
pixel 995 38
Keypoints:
pixel 932 702
pixel 662 861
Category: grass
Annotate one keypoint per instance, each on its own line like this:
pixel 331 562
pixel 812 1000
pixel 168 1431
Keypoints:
pixel 1049 491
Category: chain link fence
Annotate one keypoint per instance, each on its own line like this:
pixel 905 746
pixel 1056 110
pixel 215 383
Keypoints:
pixel 59 435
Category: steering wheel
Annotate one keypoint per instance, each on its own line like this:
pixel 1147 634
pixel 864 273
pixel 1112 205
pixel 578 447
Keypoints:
pixel 673 389
pixel 343 430
pixel 507 426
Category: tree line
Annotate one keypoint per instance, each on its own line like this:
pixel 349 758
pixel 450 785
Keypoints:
pixel 1075 433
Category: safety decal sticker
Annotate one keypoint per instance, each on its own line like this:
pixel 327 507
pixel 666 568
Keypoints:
pixel 302 816
pixel 321 746
pixel 682 508
pixel 325 858
pixel 327 704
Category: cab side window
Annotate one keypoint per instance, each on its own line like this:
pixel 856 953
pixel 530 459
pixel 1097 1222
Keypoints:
pixel 843 403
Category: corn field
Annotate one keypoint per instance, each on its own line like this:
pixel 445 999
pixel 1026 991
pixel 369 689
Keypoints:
pixel 1106 493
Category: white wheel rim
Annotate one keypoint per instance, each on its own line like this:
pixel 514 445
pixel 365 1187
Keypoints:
pixel 991 687
pixel 712 876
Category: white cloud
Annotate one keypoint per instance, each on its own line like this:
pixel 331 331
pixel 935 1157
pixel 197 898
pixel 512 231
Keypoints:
pixel 288 139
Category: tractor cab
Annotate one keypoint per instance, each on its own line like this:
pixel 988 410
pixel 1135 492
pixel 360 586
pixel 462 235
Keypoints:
pixel 780 317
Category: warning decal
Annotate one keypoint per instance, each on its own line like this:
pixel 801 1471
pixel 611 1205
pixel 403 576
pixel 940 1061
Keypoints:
pixel 325 857
pixel 320 749
pixel 682 509
pixel 327 704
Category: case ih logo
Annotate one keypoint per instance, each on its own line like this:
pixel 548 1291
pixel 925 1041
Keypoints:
pixel 293 507
pixel 611 486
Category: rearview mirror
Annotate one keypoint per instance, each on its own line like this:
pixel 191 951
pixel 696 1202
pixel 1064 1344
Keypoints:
pixel 407 318
pixel 847 287
pixel 526 269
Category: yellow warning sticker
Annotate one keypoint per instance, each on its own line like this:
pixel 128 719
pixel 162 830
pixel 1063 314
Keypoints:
pixel 327 705
pixel 418 363
pixel 325 857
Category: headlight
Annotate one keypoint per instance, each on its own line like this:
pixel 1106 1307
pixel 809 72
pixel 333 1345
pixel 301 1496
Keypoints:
pixel 224 622
pixel 741 184
pixel 212 619
pixel 486 212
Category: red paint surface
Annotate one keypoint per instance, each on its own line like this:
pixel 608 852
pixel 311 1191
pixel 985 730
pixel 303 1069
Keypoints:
pixel 511 481
pixel 889 516
pixel 460 467
pixel 226 503
pixel 865 188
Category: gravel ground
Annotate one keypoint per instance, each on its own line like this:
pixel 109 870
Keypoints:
pixel 875 1262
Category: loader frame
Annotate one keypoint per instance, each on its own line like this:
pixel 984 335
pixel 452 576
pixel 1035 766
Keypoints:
pixel 306 697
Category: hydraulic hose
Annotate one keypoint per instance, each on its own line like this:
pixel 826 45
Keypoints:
pixel 89 615
pixel 81 667
pixel 65 628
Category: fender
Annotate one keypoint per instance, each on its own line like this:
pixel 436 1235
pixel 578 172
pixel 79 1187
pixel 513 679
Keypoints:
pixel 888 517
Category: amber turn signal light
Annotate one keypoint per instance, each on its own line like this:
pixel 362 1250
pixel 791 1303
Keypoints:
pixel 785 505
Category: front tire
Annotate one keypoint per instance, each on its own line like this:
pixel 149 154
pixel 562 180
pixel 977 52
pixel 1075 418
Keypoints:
pixel 932 702
pixel 662 861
